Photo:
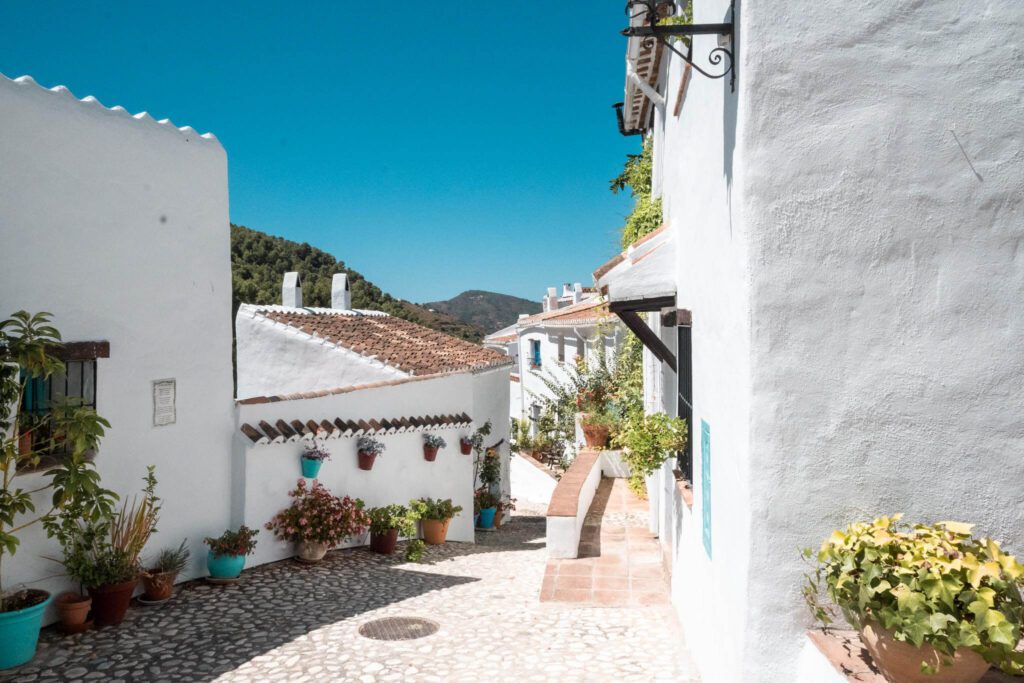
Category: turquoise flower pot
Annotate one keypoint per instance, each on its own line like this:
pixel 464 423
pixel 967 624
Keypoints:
pixel 224 566
pixel 19 634
pixel 487 517
pixel 311 467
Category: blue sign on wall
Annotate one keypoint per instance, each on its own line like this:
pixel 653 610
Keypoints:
pixel 705 484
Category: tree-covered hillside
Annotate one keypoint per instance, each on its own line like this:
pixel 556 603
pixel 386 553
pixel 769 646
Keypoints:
pixel 258 262
pixel 488 311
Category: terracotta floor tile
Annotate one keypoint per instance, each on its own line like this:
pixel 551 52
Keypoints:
pixel 645 585
pixel 612 598
pixel 647 598
pixel 571 595
pixel 548 584
pixel 617 583
pixel 572 568
pixel 611 570
pixel 650 559
pixel 582 582
pixel 647 572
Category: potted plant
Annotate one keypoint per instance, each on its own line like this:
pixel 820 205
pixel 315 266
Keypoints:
pixel 647 441
pixel 103 554
pixel 312 458
pixel 158 580
pixel 486 505
pixel 504 508
pixel 465 445
pixel 597 428
pixel 430 445
pixel 72 610
pixel 317 520
pixel 435 515
pixel 932 602
pixel 387 523
pixel 28 348
pixel 368 448
pixel 226 557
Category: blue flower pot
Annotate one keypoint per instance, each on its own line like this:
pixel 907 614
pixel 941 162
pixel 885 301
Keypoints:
pixel 311 467
pixel 487 518
pixel 19 634
pixel 224 566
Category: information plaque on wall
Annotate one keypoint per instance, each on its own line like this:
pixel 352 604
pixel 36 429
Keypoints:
pixel 164 412
pixel 705 485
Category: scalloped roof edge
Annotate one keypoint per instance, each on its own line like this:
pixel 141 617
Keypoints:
pixel 90 101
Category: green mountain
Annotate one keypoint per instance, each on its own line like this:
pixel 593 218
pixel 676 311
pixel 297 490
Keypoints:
pixel 487 311
pixel 259 260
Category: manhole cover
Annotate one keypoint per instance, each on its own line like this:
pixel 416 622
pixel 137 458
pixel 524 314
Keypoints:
pixel 398 628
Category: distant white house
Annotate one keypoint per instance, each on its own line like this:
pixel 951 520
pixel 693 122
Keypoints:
pixel 835 301
pixel 546 345
pixel 334 374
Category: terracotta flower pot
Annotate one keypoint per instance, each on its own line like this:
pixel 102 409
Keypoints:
pixel 366 460
pixel 465 447
pixel 110 603
pixel 384 543
pixel 311 551
pixel 596 436
pixel 158 586
pixel 429 453
pixel 900 662
pixel 73 608
pixel 435 531
pixel 498 514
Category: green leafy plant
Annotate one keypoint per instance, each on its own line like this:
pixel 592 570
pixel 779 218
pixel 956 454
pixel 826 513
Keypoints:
pixel 233 543
pixel 414 551
pixel 318 516
pixel 370 445
pixel 170 560
pixel 483 499
pixel 434 441
pixel 928 584
pixel 637 175
pixel 28 350
pixel 394 516
pixel 684 18
pixel 430 508
pixel 648 441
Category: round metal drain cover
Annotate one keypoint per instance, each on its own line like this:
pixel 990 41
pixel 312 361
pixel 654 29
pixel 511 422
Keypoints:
pixel 398 628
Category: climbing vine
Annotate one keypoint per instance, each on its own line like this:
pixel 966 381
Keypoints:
pixel 637 174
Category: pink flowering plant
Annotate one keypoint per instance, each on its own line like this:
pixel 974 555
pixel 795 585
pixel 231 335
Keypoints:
pixel 318 516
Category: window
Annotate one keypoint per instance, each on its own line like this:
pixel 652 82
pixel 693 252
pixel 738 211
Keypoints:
pixel 561 348
pixel 534 353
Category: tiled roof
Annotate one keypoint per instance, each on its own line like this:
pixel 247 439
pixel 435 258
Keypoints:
pixel 399 343
pixel 591 310
pixel 283 431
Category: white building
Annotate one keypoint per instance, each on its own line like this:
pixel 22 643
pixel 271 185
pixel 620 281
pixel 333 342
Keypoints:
pixel 837 293
pixel 334 374
pixel 118 226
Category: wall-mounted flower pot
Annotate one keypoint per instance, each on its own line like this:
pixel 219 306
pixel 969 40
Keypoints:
pixel 435 531
pixel 596 436
pixel 366 460
pixel 72 608
pixel 901 662
pixel 311 551
pixel 110 602
pixel 159 586
pixel 311 467
pixel 384 543
pixel 465 446
pixel 19 630
pixel 224 566
pixel 430 453
pixel 487 518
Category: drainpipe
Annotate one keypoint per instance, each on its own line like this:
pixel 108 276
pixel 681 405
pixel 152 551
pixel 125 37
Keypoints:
pixel 653 95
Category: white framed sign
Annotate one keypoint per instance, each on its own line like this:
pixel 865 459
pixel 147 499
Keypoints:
pixel 164 411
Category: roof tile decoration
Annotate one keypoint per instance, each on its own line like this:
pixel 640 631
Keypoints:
pixel 591 310
pixel 265 433
pixel 399 343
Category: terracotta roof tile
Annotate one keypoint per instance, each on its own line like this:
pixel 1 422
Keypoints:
pixel 334 428
pixel 399 343
pixel 586 311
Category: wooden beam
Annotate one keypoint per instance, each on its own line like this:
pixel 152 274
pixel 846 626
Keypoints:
pixel 653 304
pixel 83 350
pixel 647 337
pixel 676 318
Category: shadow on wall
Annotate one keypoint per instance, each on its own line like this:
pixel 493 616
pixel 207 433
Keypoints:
pixel 207 631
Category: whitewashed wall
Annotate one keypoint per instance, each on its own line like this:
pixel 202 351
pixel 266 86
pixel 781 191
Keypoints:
pixel 855 281
pixel 267 472
pixel 119 227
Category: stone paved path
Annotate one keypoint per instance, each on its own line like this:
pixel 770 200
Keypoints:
pixel 290 622
pixel 620 561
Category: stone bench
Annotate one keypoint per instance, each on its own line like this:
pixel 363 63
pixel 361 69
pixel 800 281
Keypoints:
pixel 569 504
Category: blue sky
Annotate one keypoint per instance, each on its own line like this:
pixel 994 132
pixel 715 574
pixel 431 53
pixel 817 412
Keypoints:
pixel 434 147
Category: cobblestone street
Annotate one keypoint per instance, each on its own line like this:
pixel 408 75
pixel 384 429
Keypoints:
pixel 293 622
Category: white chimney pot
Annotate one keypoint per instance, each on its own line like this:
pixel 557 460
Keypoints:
pixel 291 290
pixel 341 295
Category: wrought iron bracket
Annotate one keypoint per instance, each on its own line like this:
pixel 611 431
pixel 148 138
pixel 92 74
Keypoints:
pixel 663 34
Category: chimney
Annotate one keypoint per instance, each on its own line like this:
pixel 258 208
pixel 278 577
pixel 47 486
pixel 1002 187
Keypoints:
pixel 551 300
pixel 566 291
pixel 341 296
pixel 577 292
pixel 291 290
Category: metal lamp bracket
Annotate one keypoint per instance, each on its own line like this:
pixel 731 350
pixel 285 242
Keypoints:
pixel 723 51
